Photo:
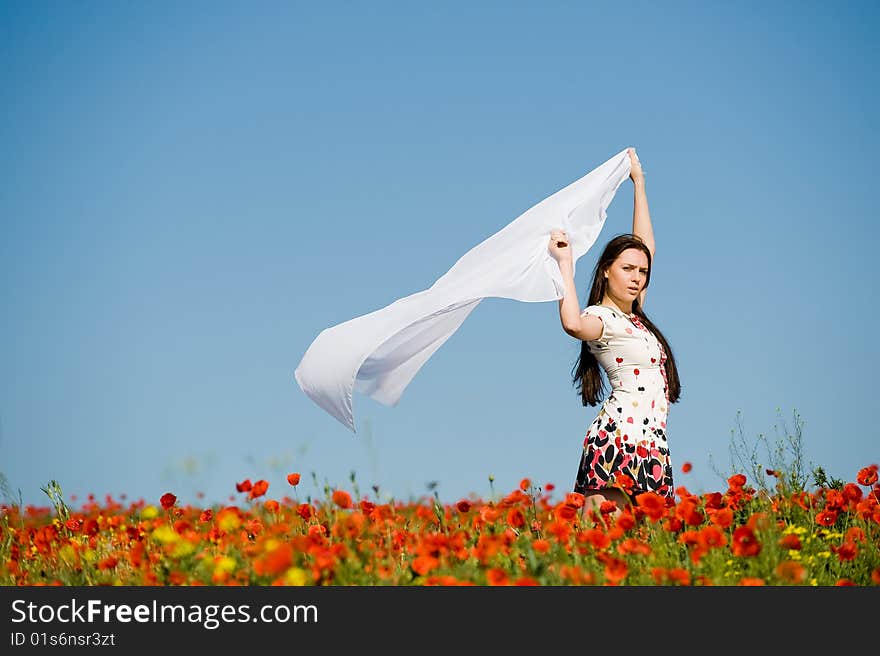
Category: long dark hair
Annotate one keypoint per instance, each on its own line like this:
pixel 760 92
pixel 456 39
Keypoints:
pixel 587 374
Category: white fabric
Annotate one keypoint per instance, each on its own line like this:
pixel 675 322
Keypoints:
pixel 379 353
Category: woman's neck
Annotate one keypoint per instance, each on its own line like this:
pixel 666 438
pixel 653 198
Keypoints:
pixel 620 306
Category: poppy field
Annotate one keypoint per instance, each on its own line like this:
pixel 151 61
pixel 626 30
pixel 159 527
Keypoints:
pixel 826 536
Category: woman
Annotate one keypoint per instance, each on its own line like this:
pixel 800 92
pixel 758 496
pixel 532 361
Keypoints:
pixel 625 451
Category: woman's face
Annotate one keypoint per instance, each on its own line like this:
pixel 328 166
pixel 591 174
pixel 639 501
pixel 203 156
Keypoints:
pixel 627 274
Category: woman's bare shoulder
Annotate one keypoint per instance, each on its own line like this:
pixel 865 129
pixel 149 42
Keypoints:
pixel 591 326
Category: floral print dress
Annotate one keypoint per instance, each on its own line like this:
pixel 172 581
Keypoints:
pixel 629 434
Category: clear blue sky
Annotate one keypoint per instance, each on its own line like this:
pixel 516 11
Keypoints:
pixel 193 191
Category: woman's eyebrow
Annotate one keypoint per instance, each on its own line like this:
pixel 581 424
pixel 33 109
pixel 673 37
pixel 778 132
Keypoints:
pixel 628 264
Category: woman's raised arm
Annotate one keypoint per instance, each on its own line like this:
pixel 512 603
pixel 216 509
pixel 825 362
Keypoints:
pixel 641 216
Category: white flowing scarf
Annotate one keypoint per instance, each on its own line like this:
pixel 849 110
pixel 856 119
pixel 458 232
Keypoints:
pixel 379 353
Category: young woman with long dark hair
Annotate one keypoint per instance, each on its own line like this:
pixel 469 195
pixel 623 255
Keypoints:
pixel 625 450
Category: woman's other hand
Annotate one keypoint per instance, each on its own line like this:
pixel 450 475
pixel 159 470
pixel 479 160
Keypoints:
pixel 559 247
pixel 636 173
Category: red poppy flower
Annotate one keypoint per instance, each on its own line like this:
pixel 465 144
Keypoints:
pixel 293 479
pixel 711 536
pixel 275 561
pixel 713 500
pixel 790 541
pixel 564 511
pixel 271 505
pixel 525 484
pixel 168 500
pixel 244 486
pixel 259 489
pixel 108 563
pixel 854 534
pixel 496 576
pixel 652 504
pixel 615 569
pixel 673 525
pixel 463 506
pixel 679 576
pixel 689 514
pixel 526 581
pixel 791 571
pixel 852 493
pixel 342 498
pixel 686 467
pixel 516 518
pixel 722 518
pixel 489 514
pixel 751 581
pixel 515 497
pixel 846 551
pixel 625 521
pixel 575 499
pixel 424 564
pixel 745 543
pixel 826 518
pixel 867 475
pixel 595 537
pixel 736 481
pixel 624 482
pixel 659 574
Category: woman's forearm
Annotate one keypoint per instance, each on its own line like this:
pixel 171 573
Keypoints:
pixel 641 216
pixel 569 306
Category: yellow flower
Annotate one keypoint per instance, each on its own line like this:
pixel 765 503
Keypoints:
pixel 225 564
pixel 824 554
pixel 271 544
pixel 149 512
pixel 794 554
pixel 165 534
pixel 67 553
pixel 814 582
pixel 183 548
pixel 296 576
pixel 228 520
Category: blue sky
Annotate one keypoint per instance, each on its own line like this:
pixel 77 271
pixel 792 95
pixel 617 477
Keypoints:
pixel 192 192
